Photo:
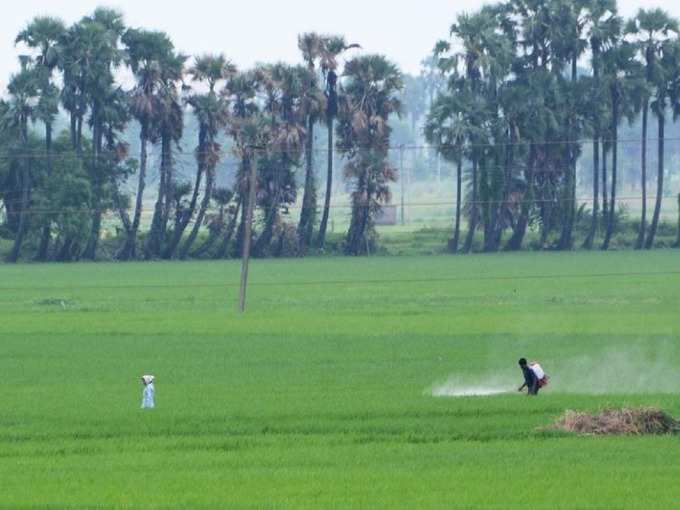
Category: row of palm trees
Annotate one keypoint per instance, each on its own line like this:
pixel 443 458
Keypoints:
pixel 56 191
pixel 528 82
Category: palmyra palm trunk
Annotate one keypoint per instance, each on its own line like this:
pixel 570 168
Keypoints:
pixel 129 250
pixel 566 241
pixel 605 199
pixel 615 157
pixel 263 244
pixel 677 241
pixel 156 233
pixel 474 213
pixel 214 235
pixel 356 236
pixel 308 213
pixel 46 231
pixel 95 229
pixel 455 241
pixel 207 196
pixel 649 243
pixel 23 215
pixel 590 238
pixel 181 226
pixel 640 243
pixel 73 132
pixel 169 186
pixel 515 242
pixel 223 250
pixel 323 227
pixel 356 242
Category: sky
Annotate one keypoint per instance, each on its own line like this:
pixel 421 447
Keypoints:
pixel 251 31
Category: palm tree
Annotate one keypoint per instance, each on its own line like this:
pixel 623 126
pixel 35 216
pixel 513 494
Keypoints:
pixel 311 47
pixel 333 47
pixel 245 126
pixel 24 96
pixel 572 17
pixel 651 28
pixel 477 34
pixel 72 63
pixel 43 34
pixel 169 120
pixel 447 130
pixel 284 87
pixel 671 62
pixel 211 112
pixel 149 55
pixel 622 74
pixel 371 88
pixel 102 32
pixel 603 30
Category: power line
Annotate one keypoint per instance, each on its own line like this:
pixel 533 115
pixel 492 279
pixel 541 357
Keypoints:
pixel 113 156
pixel 149 212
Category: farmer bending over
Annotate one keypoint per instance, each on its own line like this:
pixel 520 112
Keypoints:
pixel 531 381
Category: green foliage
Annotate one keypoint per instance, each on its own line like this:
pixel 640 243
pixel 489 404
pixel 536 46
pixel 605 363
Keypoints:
pixel 370 96
pixel 507 98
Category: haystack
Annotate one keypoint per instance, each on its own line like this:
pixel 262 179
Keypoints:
pixel 619 422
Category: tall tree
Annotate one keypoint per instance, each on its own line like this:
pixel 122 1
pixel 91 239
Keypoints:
pixel 211 111
pixel 151 58
pixel 572 17
pixel 447 129
pixel 23 97
pixel 284 112
pixel 622 74
pixel 101 33
pixel 603 29
pixel 245 126
pixel 650 29
pixel 311 46
pixel 372 85
pixel 333 47
pixel 170 129
pixel 671 62
pixel 43 34
pixel 146 54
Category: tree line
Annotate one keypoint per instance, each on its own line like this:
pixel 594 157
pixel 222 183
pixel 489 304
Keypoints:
pixel 57 188
pixel 528 82
pixel 514 99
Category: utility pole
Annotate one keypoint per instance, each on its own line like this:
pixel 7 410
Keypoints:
pixel 402 178
pixel 252 184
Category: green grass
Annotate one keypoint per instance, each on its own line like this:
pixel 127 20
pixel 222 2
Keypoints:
pixel 320 396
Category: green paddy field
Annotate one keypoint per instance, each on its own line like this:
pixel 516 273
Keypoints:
pixel 322 395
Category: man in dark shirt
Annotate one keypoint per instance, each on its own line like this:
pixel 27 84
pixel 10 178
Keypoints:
pixel 530 380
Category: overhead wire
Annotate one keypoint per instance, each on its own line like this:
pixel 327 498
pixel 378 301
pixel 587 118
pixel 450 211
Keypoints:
pixel 273 149
pixel 150 212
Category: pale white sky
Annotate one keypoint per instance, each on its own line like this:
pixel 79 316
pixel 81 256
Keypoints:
pixel 250 31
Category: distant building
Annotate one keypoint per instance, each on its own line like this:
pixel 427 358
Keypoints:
pixel 387 216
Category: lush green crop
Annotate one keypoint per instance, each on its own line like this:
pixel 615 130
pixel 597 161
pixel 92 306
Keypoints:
pixel 321 396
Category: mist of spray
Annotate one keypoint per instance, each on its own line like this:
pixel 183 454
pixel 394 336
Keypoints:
pixel 632 371
pixel 477 387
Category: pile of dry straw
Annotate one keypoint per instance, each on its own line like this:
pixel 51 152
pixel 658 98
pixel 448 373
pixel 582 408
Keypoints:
pixel 619 422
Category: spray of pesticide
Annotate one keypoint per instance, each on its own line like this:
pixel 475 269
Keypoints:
pixel 621 372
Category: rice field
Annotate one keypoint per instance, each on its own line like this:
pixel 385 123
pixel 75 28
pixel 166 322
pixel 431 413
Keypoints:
pixel 338 388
